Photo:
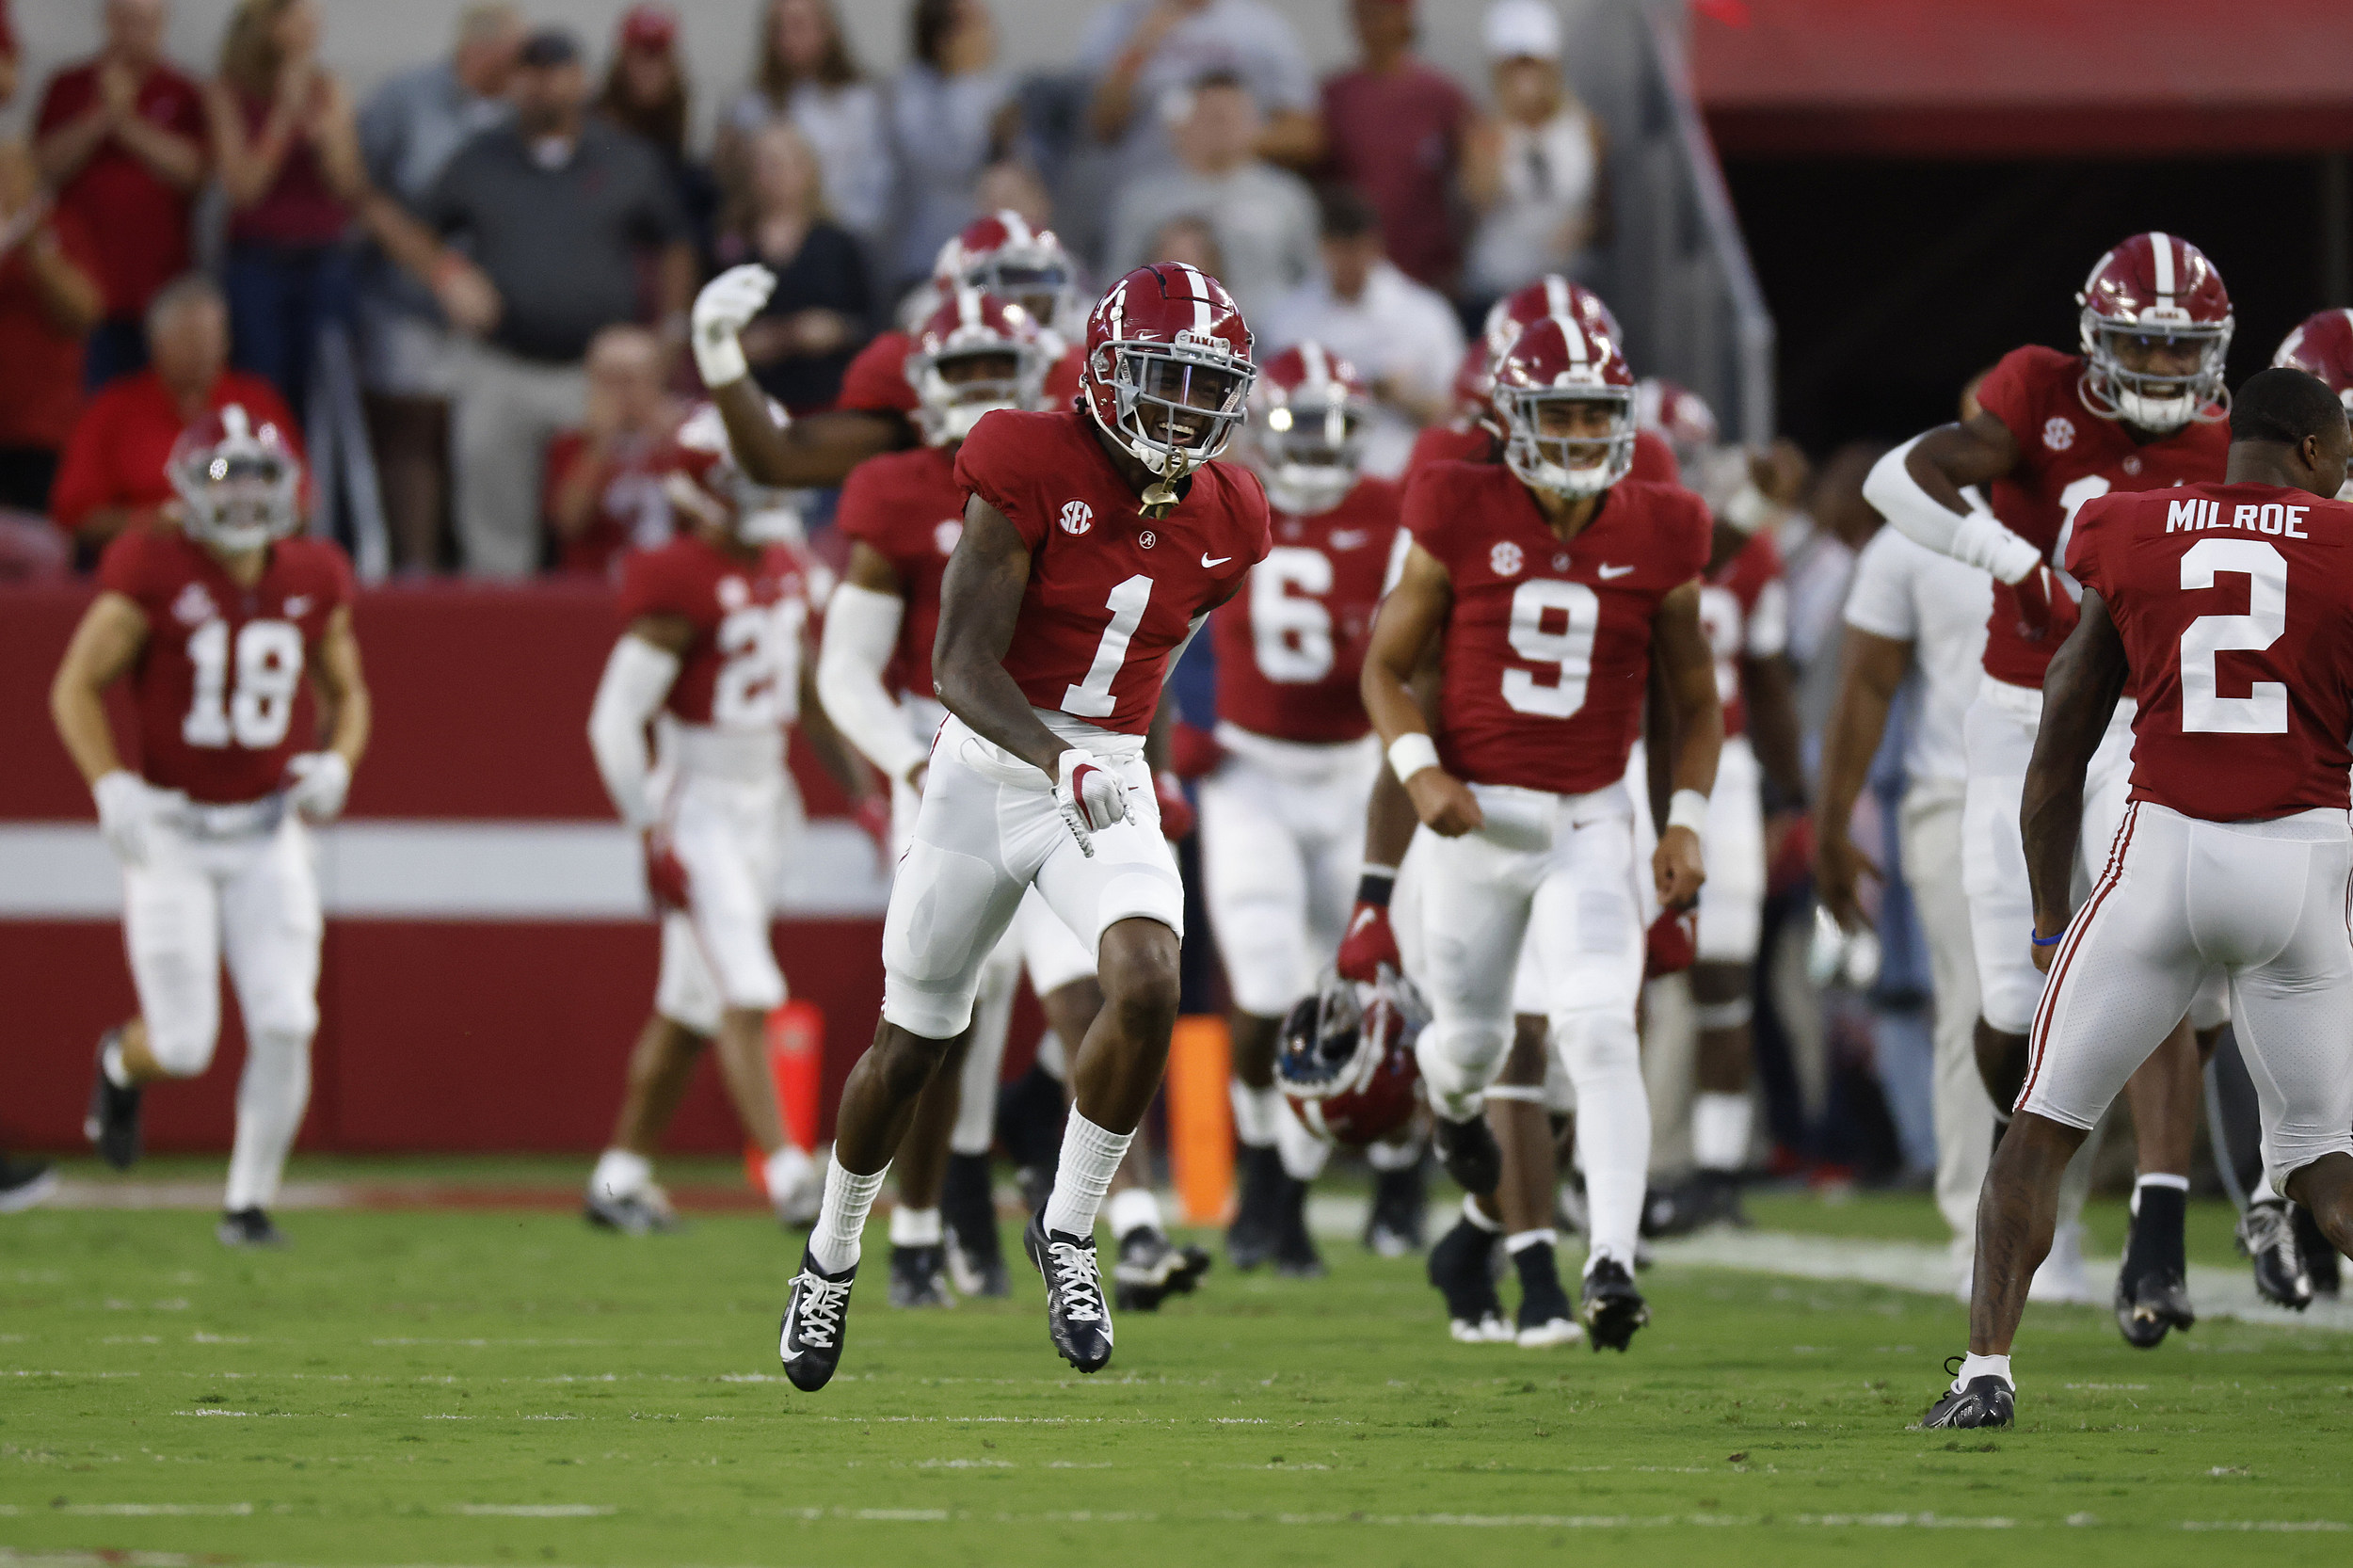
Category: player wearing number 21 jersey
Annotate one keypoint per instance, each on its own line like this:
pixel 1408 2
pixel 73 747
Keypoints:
pixel 219 623
pixel 1552 582
pixel 1095 542
pixel 2232 605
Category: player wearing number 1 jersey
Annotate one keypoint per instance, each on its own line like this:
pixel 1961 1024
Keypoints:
pixel 2140 408
pixel 1552 582
pixel 1095 542
pixel 2232 606
pixel 218 623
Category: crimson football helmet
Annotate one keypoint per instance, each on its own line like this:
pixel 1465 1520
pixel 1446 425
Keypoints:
pixel 240 483
pixel 2322 345
pixel 970 326
pixel 1549 296
pixel 2153 293
pixel 1677 413
pixel 1474 379
pixel 1347 1062
pixel 1307 415
pixel 704 483
pixel 1002 254
pixel 1556 369
pixel 1168 372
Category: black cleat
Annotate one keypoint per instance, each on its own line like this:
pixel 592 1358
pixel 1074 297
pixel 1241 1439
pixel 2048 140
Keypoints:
pixel 1546 1316
pixel 816 1320
pixel 918 1276
pixel 2266 1236
pixel 1250 1240
pixel 2150 1305
pixel 24 1184
pixel 1399 1200
pixel 1462 1266
pixel 644 1213
pixel 249 1227
pixel 1983 1401
pixel 1151 1267
pixel 2321 1259
pixel 1295 1254
pixel 968 1206
pixel 1612 1308
pixel 1077 1317
pixel 1471 1155
pixel 112 1122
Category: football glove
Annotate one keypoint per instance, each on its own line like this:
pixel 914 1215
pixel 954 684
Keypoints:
pixel 316 782
pixel 1088 795
pixel 1370 942
pixel 1177 813
pixel 722 310
pixel 665 874
pixel 128 807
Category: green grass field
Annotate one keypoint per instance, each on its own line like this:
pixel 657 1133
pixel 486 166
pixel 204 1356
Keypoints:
pixel 471 1387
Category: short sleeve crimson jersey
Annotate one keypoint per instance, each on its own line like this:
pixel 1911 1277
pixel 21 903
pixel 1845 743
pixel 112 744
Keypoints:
pixel 1113 593
pixel 1291 646
pixel 876 380
pixel 909 507
pixel 1654 460
pixel 2066 456
pixel 1744 613
pixel 743 669
pixel 1546 653
pixel 218 681
pixel 2236 606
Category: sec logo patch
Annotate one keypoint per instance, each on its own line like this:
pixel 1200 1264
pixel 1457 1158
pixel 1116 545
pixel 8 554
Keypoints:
pixel 2058 432
pixel 1077 517
pixel 1505 559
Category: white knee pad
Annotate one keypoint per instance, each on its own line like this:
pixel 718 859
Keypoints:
pixel 1458 1061
pixel 181 1039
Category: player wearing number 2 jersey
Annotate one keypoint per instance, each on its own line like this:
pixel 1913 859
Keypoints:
pixel 2139 409
pixel 1552 583
pixel 218 623
pixel 1093 544
pixel 2231 607
pixel 713 658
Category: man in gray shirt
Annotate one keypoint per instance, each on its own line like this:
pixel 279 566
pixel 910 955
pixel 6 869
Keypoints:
pixel 552 214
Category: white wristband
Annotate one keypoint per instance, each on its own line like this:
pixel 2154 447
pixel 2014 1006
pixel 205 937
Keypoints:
pixel 1410 753
pixel 1689 809
pixel 1983 540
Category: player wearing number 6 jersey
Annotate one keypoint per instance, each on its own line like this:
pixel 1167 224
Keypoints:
pixel 1552 582
pixel 2232 605
pixel 1093 544
pixel 2139 409
pixel 217 622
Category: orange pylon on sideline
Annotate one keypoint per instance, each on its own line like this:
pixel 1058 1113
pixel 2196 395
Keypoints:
pixel 1201 1117
pixel 796 1066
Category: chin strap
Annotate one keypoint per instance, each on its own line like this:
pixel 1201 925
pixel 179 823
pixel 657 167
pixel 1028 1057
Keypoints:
pixel 1159 498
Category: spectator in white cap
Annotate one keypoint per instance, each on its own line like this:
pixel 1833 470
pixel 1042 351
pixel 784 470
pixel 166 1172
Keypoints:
pixel 1537 177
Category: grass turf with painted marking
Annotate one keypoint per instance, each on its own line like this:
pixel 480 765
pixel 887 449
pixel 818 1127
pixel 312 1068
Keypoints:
pixel 442 1387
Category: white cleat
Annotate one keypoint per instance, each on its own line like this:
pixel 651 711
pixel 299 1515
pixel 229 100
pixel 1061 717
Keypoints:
pixel 1490 1330
pixel 1557 1331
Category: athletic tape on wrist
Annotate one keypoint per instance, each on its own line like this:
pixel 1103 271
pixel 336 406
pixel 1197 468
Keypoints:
pixel 1689 809
pixel 1410 753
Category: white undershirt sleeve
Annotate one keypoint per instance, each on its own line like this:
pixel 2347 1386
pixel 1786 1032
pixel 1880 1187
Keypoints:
pixel 636 678
pixel 1977 538
pixel 861 629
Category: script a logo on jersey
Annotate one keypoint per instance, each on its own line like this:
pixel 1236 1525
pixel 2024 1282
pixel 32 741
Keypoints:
pixel 193 606
pixel 1077 517
pixel 1504 560
pixel 2058 432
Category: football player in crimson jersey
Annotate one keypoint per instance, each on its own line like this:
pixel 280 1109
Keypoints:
pixel 1095 542
pixel 1551 583
pixel 2322 345
pixel 877 409
pixel 218 622
pixel 2139 408
pixel 2231 607
pixel 714 659
pixel 1278 813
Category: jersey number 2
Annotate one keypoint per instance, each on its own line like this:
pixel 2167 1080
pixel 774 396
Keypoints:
pixel 2263 710
pixel 269 668
pixel 1570 650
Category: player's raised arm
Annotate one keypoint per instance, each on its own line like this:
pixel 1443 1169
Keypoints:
pixel 1689 668
pixel 2087 677
pixel 795 454
pixel 979 600
pixel 1409 616
pixel 1918 485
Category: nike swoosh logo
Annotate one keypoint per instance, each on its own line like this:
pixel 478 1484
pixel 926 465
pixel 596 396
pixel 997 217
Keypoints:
pixel 1207 560
pixel 1348 538
pixel 1606 573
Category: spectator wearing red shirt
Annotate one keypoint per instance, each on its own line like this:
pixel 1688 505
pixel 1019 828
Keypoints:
pixel 120 138
pixel 50 298
pixel 112 475
pixel 1394 129
pixel 605 493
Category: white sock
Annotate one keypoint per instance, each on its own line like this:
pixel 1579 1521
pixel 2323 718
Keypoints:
pixel 1255 1114
pixel 270 1100
pixel 1304 1153
pixel 2179 1183
pixel 786 1170
pixel 619 1172
pixel 1394 1157
pixel 1984 1365
pixel 841 1218
pixel 914 1227
pixel 110 1063
pixel 1472 1212
pixel 1090 1157
pixel 1135 1209
pixel 2263 1191
pixel 1720 1130
pixel 1526 1239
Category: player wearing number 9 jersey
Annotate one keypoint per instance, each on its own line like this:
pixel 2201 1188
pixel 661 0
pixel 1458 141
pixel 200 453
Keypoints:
pixel 1552 582
pixel 714 659
pixel 218 623
pixel 1094 543
pixel 2232 605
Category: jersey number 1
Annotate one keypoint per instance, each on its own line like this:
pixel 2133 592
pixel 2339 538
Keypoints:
pixel 269 668
pixel 2263 710
pixel 1092 699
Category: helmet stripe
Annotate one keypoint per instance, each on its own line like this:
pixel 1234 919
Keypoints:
pixel 1016 227
pixel 1573 336
pixel 1555 295
pixel 1201 318
pixel 1318 368
pixel 2163 245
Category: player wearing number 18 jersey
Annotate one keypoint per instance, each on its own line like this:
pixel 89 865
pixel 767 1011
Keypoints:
pixel 218 623
pixel 1093 544
pixel 2232 605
